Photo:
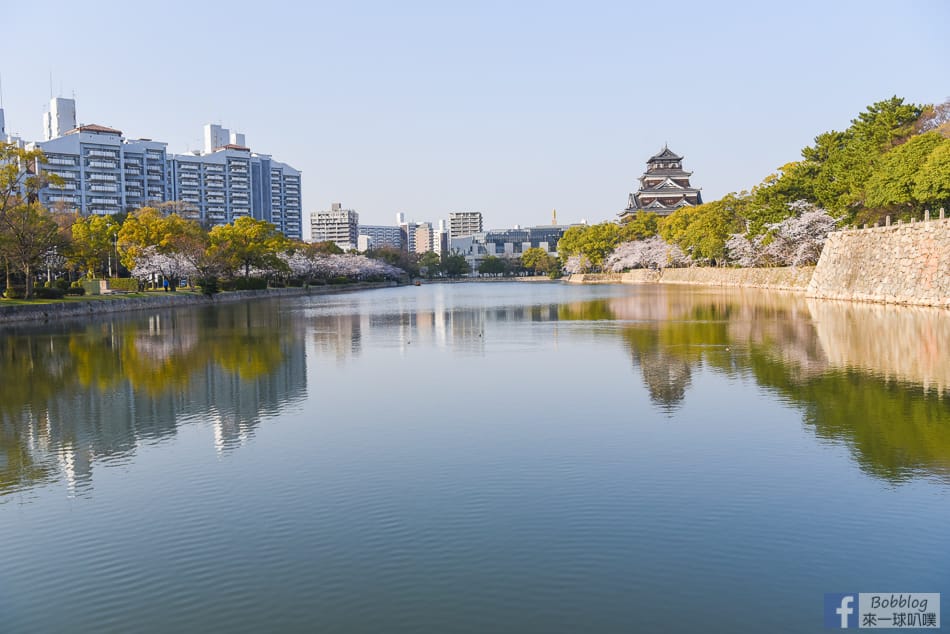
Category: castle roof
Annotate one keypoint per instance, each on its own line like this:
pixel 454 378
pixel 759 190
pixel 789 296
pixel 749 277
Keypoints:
pixel 666 154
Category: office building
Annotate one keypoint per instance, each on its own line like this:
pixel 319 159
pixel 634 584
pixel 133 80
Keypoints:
pixel 508 243
pixel 338 225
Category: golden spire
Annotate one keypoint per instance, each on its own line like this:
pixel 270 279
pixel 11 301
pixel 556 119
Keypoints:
pixel 554 217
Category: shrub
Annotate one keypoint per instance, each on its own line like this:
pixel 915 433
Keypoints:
pixel 15 292
pixel 61 284
pixel 75 290
pixel 208 285
pixel 245 284
pixel 128 284
pixel 48 293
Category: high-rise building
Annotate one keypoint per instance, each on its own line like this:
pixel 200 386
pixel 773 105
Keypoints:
pixel 407 232
pixel 423 237
pixel 338 225
pixel 464 223
pixel 104 173
pixel 440 239
pixel 60 119
pixel 664 187
pixel 382 235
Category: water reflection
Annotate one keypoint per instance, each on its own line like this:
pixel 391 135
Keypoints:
pixel 76 396
pixel 871 376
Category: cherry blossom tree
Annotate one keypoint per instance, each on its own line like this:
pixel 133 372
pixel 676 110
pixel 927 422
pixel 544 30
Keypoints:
pixel 795 241
pixel 652 253
pixel 151 263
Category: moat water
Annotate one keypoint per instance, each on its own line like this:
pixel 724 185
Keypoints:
pixel 505 457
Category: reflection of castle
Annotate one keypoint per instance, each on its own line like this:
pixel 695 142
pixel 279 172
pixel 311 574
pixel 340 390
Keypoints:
pixel 227 371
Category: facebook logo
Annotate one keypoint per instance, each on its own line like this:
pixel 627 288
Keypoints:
pixel 841 610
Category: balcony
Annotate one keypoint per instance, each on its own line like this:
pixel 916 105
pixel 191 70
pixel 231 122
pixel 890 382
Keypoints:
pixel 102 154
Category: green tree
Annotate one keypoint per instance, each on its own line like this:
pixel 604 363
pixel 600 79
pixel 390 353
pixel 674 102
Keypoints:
pixel 143 228
pixel 30 234
pixel 92 242
pixel 431 262
pixel 492 265
pixel 702 231
pixel 455 265
pixel 595 242
pixel 641 226
pixel 538 260
pixel 933 183
pixel 247 243
pixel 893 184
pixel 327 248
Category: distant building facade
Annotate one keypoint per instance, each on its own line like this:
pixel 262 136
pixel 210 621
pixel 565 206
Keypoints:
pixel 381 236
pixel 104 173
pixel 464 223
pixel 508 243
pixel 338 225
pixel 664 187
pixel 424 235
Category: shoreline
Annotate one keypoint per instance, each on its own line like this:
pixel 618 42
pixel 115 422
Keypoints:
pixel 47 313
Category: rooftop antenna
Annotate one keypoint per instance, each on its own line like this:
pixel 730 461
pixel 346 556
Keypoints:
pixel 1 91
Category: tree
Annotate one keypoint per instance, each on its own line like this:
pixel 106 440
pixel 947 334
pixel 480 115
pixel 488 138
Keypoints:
pixel 492 265
pixel 594 242
pixel 893 184
pixel 249 242
pixel 431 263
pixel 143 228
pixel 93 238
pixel 933 183
pixel 538 260
pixel 652 253
pixel 639 227
pixel 455 264
pixel 328 248
pixel 702 231
pixel 30 234
pixel 408 262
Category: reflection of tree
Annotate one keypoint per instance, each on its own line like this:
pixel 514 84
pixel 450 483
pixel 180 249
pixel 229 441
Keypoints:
pixel 77 395
pixel 896 428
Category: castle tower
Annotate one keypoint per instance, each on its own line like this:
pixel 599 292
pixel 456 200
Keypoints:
pixel 664 187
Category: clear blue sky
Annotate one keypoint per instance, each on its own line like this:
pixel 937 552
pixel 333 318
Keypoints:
pixel 508 108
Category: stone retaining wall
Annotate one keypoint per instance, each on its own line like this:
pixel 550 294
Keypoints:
pixel 779 278
pixel 899 264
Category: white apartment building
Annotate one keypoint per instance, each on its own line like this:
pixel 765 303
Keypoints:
pixel 105 173
pixel 381 236
pixel 338 225
pixel 464 223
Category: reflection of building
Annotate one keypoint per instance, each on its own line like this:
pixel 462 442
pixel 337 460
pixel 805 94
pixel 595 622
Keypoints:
pixel 142 384
pixel 664 187
pixel 338 225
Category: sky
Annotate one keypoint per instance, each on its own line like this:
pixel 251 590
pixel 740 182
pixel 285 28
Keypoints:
pixel 508 108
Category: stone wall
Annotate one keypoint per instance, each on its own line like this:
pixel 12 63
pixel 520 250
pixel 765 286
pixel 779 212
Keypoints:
pixel 779 278
pixel 899 264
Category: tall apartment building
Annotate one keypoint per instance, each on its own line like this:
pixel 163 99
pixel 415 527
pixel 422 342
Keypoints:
pixel 464 223
pixel 440 239
pixel 407 232
pixel 382 236
pixel 338 225
pixel 424 236
pixel 105 173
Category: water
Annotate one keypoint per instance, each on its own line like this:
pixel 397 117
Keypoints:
pixel 506 457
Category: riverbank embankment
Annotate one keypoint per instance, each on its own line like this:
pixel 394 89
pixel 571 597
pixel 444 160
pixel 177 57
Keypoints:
pixel 776 278
pixel 905 264
pixel 159 300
